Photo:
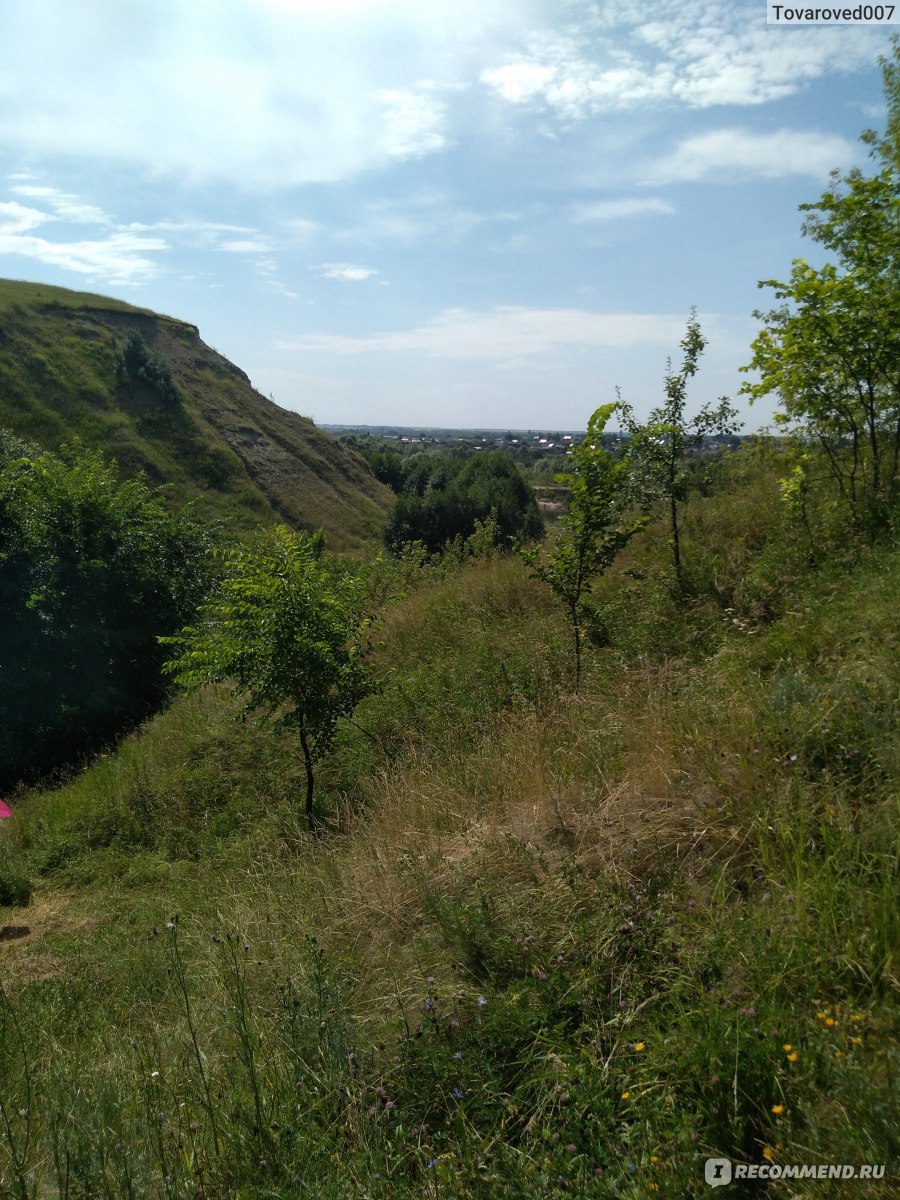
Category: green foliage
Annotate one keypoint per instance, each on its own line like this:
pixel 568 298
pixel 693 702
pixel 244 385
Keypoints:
pixel 445 498
pixel 658 446
pixel 284 628
pixel 831 350
pixel 91 570
pixel 593 532
pixel 136 364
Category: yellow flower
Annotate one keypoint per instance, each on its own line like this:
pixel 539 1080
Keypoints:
pixel 639 1046
pixel 838 1054
pixel 793 1057
pixel 768 1153
pixel 653 1187
pixel 787 1047
pixel 777 1109
pixel 821 1016
pixel 829 1021
pixel 856 1017
pixel 654 1158
pixel 626 1095
pixel 857 1041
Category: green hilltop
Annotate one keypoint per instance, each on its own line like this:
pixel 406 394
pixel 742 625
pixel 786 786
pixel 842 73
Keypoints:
pixel 224 447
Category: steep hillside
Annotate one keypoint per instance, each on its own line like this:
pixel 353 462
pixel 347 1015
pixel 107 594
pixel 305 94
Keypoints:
pixel 236 454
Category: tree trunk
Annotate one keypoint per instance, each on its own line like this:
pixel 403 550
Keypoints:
pixel 307 762
pixel 676 547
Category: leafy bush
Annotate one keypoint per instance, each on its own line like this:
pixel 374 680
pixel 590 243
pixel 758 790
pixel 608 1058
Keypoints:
pixel 91 570
pixel 135 362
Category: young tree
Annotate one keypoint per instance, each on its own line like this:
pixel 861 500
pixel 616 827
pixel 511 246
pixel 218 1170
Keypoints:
pixel 658 446
pixel 284 629
pixel 594 529
pixel 831 349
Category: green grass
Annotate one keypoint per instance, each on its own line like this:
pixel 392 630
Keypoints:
pixel 546 943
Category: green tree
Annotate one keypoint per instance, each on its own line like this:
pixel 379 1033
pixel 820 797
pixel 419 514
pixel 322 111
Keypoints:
pixel 283 627
pixel 91 570
pixel 831 349
pixel 446 497
pixel 658 445
pixel 593 531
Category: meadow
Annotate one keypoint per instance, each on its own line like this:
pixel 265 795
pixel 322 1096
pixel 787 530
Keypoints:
pixel 544 942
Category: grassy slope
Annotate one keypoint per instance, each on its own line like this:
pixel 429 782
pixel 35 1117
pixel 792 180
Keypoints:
pixel 553 944
pixel 237 455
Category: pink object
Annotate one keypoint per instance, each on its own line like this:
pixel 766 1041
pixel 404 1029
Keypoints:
pixel 5 810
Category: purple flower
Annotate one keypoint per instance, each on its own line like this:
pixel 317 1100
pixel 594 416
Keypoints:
pixel 747 1012
pixel 457 1054
pixel 481 1002
pixel 457 1093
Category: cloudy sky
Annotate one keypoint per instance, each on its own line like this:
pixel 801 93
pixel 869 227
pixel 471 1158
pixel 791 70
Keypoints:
pixel 441 212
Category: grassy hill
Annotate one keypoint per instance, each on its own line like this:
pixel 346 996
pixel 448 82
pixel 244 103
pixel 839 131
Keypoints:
pixel 548 943
pixel 237 455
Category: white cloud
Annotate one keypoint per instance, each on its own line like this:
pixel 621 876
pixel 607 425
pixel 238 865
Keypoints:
pixel 345 272
pixel 697 55
pixel 615 210
pixel 17 218
pixel 66 206
pixel 262 94
pixel 413 124
pixel 724 155
pixel 120 258
pixel 506 333
pixel 255 245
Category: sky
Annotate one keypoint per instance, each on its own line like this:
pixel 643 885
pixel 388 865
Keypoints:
pixel 457 213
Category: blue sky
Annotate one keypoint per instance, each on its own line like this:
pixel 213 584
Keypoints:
pixel 438 212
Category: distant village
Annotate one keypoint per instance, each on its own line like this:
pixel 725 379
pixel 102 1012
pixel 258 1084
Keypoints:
pixel 520 442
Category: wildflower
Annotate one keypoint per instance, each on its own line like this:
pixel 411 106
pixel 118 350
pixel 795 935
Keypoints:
pixel 654 1158
pixel 572 1148
pixel 639 1046
pixel 481 1002
pixel 821 1015
pixel 429 979
pixel 857 1041
pixel 747 1012
pixel 542 976
pixel 388 1105
pixel 692 903
pixel 838 1054
pixel 830 1022
pixel 856 1017
pixel 457 1093
pixel 768 1153
pixel 626 1095
pixel 457 1054
pixel 787 1047
pixel 429 1005
pixel 793 1057
pixel 777 1109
